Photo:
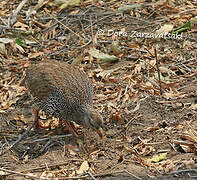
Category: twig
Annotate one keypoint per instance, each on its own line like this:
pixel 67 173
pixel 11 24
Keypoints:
pixel 65 26
pixel 18 173
pixel 115 172
pixel 192 176
pixel 154 143
pixel 51 26
pixel 48 138
pixel 7 145
pixel 182 171
pixel 56 164
pixel 100 175
pixel 76 177
pixel 184 66
pixel 152 82
pixel 19 138
pixel 132 119
pixel 128 172
pixel 36 177
pixel 90 40
pixel 63 49
pixel 11 29
pixel 13 18
pixel 91 26
pixel 90 174
pixel 158 71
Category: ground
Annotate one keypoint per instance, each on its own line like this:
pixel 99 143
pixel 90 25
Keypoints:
pixel 144 87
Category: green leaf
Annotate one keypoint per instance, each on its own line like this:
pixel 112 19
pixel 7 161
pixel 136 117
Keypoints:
pixel 19 42
pixel 185 27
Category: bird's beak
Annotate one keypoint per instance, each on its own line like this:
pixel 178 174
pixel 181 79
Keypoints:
pixel 100 133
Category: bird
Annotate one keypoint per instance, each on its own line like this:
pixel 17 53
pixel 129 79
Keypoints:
pixel 65 92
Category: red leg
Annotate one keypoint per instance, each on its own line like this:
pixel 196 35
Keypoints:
pixel 71 129
pixel 36 118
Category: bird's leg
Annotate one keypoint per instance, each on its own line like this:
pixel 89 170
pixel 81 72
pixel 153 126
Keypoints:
pixel 36 122
pixel 71 129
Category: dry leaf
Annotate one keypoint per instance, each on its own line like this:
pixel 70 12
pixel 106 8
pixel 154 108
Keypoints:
pixel 35 55
pixel 3 49
pixel 67 3
pixel 138 68
pixel 21 26
pixel 151 129
pixel 128 8
pixel 158 158
pixel 186 149
pixel 166 70
pixel 115 48
pixel 106 73
pixel 6 40
pixel 117 118
pixel 102 56
pixel 40 4
pixel 165 29
pixel 83 168
pixel 193 20
pixel 189 164
pixel 193 106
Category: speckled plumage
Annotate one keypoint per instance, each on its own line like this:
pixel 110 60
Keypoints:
pixel 63 91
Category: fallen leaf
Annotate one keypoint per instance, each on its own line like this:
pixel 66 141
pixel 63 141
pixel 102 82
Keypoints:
pixel 117 118
pixel 165 29
pixel 67 3
pixel 193 20
pixel 128 8
pixel 189 164
pixel 102 56
pixel 3 49
pixel 158 158
pixel 115 48
pixel 83 168
pixel 6 40
pixel 21 26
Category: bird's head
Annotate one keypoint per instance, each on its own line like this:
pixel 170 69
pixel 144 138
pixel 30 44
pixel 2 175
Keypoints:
pixel 92 118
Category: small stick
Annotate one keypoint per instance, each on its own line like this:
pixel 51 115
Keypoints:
pixel 76 177
pixel 13 18
pixel 90 174
pixel 65 26
pixel 93 40
pixel 158 71
pixel 182 171
pixel 116 172
pixel 20 136
pixel 18 173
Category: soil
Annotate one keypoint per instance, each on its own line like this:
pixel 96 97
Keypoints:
pixel 116 151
